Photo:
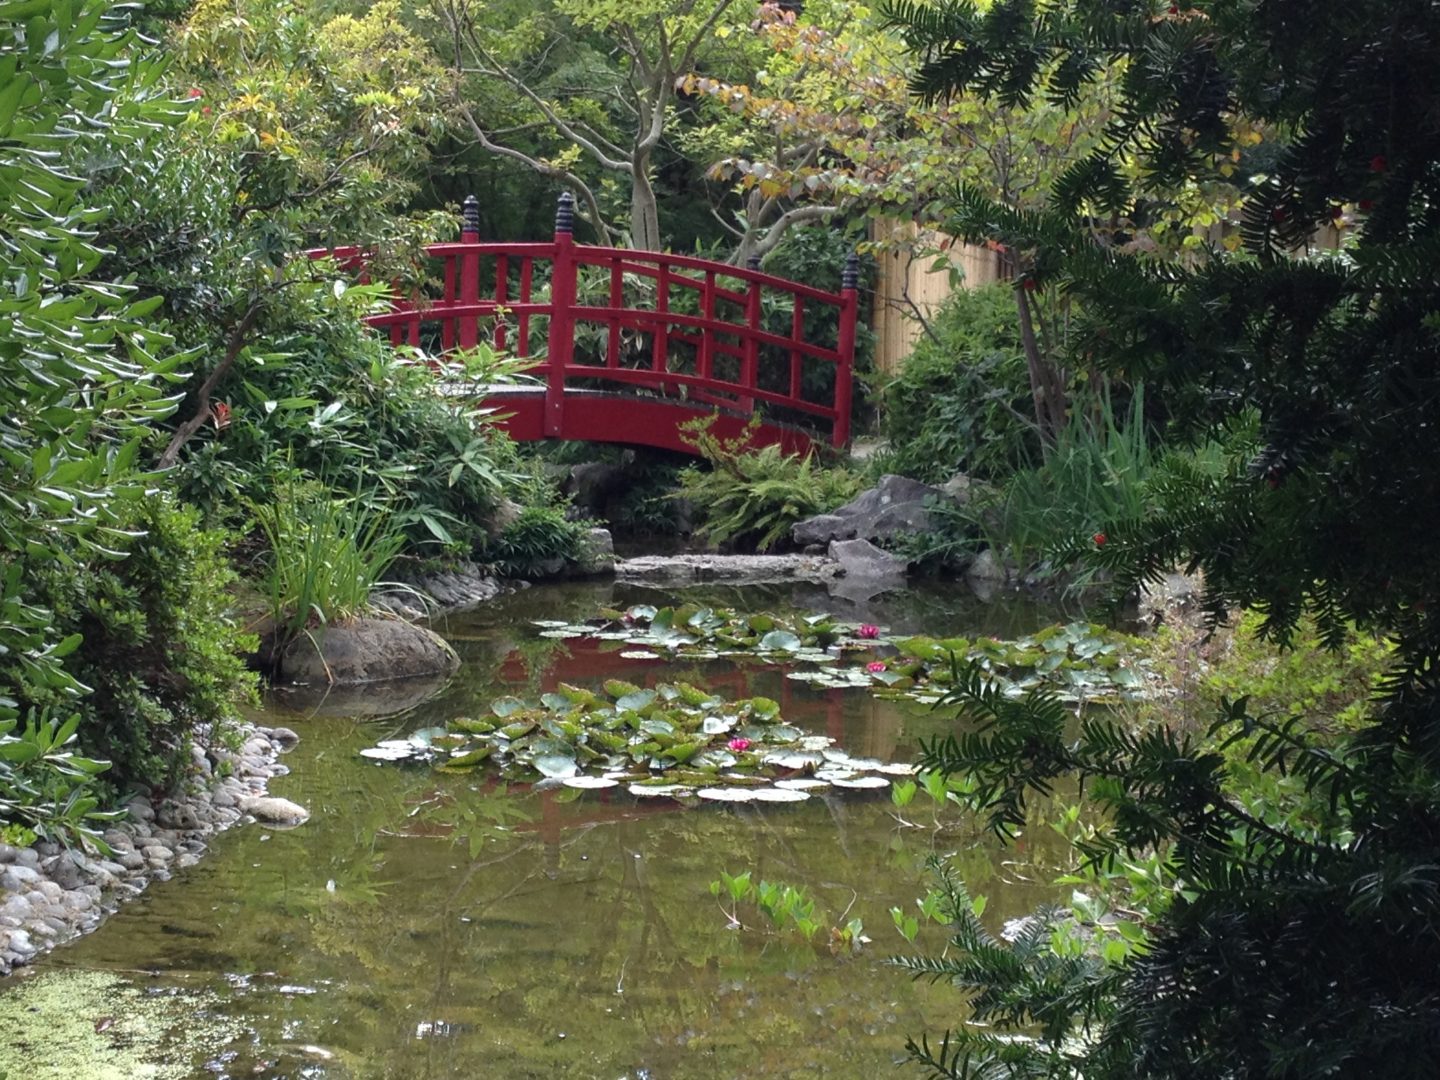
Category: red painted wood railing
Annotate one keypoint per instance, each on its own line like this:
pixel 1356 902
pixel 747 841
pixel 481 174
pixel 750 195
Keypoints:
pixel 673 330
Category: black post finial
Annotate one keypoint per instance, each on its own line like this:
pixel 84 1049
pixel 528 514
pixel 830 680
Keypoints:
pixel 470 215
pixel 565 213
pixel 850 276
pixel 753 262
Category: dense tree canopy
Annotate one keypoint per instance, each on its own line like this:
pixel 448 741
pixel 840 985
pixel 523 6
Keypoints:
pixel 1303 948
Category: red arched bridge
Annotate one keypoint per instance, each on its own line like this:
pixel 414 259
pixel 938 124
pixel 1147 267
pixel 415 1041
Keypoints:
pixel 629 345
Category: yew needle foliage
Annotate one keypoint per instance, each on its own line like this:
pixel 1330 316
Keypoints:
pixel 1291 951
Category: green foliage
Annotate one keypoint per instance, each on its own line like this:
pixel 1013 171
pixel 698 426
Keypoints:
pixel 786 908
pixel 961 402
pixel 113 622
pixel 326 555
pixel 672 741
pixel 329 401
pixel 1102 468
pixel 81 374
pixel 752 498
pixel 538 535
pixel 153 640
pixel 1305 678
pixel 46 790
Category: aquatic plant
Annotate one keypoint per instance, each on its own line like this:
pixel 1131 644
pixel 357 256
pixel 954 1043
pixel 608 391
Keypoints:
pixel 674 740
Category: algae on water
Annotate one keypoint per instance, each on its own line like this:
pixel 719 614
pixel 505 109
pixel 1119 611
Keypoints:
pixel 93 1025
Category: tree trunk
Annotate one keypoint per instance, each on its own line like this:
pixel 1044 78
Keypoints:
pixel 644 210
pixel 1046 389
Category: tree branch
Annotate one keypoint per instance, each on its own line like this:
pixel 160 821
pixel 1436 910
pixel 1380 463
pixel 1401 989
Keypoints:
pixel 233 348
pixel 493 70
pixel 541 167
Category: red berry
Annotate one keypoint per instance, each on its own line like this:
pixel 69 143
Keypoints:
pixel 1378 163
pixel 1099 539
pixel 1029 285
pixel 195 92
pixel 1174 9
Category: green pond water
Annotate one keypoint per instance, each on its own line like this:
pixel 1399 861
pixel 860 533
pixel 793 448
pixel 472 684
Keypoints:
pixel 422 925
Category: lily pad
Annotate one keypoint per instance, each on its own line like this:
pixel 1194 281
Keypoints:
pixel 802 783
pixel 590 783
pixel 555 765
pixel 727 794
pixel 861 782
pixel 779 795
pixel 388 753
pixel 660 791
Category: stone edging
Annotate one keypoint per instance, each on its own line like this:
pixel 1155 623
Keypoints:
pixel 726 569
pixel 49 895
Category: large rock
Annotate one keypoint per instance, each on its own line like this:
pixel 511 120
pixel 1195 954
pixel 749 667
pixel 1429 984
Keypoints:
pixel 894 507
pixel 457 587
pixel 862 559
pixel 366 651
pixel 596 555
pixel 274 811
pixel 594 484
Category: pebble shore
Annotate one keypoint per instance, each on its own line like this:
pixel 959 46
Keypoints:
pixel 50 894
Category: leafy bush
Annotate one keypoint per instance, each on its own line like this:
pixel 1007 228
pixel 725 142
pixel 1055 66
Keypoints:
pixel 46 790
pixel 1101 469
pixel 539 534
pixel 753 497
pixel 961 401
pixel 155 644
pixel 327 399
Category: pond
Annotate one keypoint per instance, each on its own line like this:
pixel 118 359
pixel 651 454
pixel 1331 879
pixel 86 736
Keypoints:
pixel 424 925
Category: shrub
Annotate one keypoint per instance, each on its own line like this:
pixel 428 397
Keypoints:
pixel 326 555
pixel 331 400
pixel 46 790
pixel 754 497
pixel 539 534
pixel 157 645
pixel 1100 470
pixel 962 399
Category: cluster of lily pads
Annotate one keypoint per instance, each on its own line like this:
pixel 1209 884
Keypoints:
pixel 1077 662
pixel 1081 662
pixel 701 633
pixel 674 741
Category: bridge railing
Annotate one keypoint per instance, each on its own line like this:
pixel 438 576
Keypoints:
pixel 684 328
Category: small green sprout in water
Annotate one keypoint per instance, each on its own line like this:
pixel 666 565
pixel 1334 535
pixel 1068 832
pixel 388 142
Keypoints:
pixel 788 908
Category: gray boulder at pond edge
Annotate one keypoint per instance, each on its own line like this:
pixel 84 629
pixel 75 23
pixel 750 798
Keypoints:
pixel 862 559
pixel 894 507
pixel 366 651
pixel 273 811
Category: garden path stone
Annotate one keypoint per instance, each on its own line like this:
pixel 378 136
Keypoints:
pixel 731 569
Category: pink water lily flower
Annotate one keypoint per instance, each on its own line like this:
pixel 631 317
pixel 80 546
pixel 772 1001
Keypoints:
pixel 875 667
pixel 739 745
pixel 867 630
